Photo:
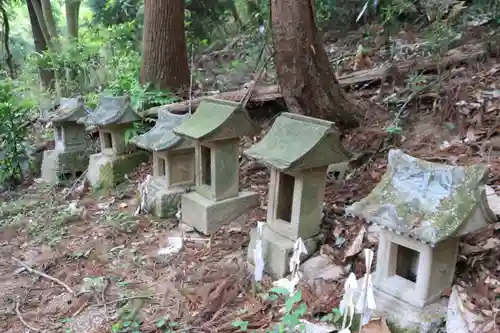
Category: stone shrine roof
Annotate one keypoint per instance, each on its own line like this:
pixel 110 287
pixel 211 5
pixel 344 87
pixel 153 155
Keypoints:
pixel 161 136
pixel 111 110
pixel 427 201
pixel 296 142
pixel 217 119
pixel 69 109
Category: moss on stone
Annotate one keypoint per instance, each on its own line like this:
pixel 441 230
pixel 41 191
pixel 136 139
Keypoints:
pixel 452 193
pixel 113 172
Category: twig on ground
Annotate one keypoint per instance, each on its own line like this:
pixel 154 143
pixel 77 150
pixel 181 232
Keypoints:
pixel 80 309
pixel 34 271
pixel 103 298
pixel 75 184
pixel 123 300
pixel 19 315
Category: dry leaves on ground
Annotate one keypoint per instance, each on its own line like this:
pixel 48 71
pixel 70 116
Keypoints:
pixel 378 325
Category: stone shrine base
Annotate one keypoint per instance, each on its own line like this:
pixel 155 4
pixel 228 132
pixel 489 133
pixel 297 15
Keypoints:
pixel 278 250
pixel 106 171
pixel 161 201
pixel 208 216
pixel 406 317
pixel 59 166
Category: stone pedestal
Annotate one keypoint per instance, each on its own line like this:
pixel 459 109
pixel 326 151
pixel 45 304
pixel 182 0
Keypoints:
pixel 161 200
pixel 207 216
pixel 106 171
pixel 414 272
pixel 59 166
pixel 277 250
pixel 408 317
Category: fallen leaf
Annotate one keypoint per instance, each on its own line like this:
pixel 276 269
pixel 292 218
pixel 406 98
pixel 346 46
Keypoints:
pixel 491 243
pixel 356 245
pixel 460 319
pixel 378 325
pixel 375 175
pixel 471 135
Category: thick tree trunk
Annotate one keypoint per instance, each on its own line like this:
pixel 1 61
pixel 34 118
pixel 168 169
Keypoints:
pixel 6 36
pixel 72 14
pixel 307 81
pixel 165 64
pixel 47 77
pixel 50 23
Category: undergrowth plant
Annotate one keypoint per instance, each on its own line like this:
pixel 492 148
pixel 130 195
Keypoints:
pixel 293 311
pixel 14 110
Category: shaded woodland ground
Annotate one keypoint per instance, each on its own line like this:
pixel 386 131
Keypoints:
pixel 441 108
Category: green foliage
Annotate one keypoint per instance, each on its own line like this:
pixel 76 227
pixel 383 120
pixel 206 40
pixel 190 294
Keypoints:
pixel 165 325
pixel 440 37
pixel 115 12
pixel 293 311
pixel 126 326
pixel 13 113
pixel 137 128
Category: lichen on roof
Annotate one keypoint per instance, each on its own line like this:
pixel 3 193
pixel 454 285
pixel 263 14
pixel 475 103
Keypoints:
pixel 424 200
pixel 297 142
pixel 161 136
pixel 69 109
pixel 215 119
pixel 111 110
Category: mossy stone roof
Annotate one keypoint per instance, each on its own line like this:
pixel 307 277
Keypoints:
pixel 426 201
pixel 217 119
pixel 111 110
pixel 297 142
pixel 69 110
pixel 161 136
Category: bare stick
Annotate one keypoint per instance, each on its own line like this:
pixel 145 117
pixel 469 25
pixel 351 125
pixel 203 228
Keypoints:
pixel 75 184
pixel 123 300
pixel 106 284
pixel 80 309
pixel 18 312
pixel 34 271
pixel 191 81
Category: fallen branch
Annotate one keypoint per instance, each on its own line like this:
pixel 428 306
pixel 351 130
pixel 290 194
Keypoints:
pixel 80 309
pixel 268 93
pixel 76 183
pixel 34 271
pixel 122 300
pixel 28 326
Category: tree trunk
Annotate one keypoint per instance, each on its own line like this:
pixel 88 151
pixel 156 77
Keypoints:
pixel 307 81
pixel 47 77
pixel 38 12
pixel 6 41
pixel 165 63
pixel 50 23
pixel 72 14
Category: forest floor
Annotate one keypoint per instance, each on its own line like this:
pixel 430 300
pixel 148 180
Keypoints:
pixel 111 260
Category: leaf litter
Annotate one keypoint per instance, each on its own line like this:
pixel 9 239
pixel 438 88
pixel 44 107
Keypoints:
pixel 205 285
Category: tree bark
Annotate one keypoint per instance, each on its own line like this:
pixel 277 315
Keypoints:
pixel 72 15
pixel 307 81
pixel 165 64
pixel 50 23
pixel 6 41
pixel 46 76
pixel 38 12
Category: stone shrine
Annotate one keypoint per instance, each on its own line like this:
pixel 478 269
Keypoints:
pixel 216 127
pixel 423 208
pixel 173 164
pixel 112 117
pixel 70 156
pixel 298 151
